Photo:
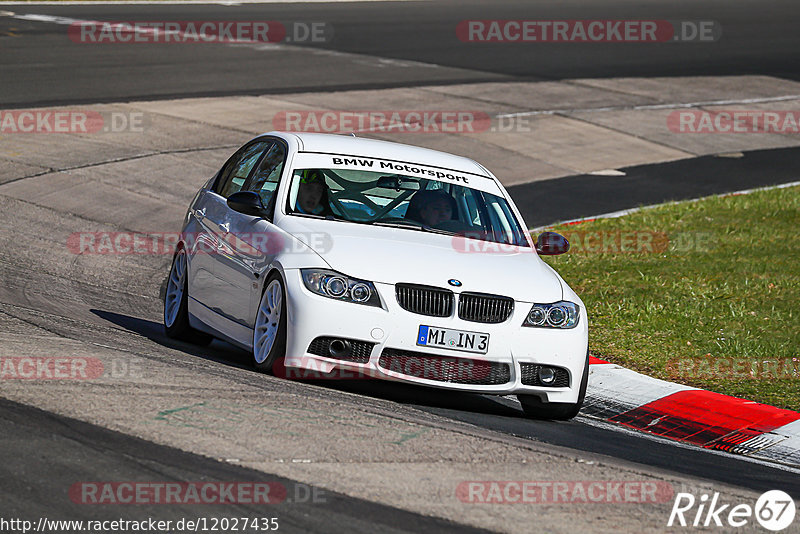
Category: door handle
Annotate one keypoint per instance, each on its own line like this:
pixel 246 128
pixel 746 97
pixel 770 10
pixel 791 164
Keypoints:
pixel 200 214
pixel 226 227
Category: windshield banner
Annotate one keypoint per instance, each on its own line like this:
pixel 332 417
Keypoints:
pixel 305 160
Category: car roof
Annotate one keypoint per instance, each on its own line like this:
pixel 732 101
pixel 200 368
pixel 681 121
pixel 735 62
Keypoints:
pixel 374 148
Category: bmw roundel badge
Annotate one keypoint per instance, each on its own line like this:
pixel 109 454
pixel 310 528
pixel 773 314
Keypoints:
pixel 455 283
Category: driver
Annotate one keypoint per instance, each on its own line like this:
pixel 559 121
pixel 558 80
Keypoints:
pixel 312 195
pixel 432 207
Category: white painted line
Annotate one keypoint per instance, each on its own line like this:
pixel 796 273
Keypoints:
pixel 178 2
pixel 48 18
pixel 607 172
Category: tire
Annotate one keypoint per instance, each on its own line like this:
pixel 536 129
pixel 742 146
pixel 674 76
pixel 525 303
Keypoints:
pixel 176 307
pixel 534 408
pixel 269 331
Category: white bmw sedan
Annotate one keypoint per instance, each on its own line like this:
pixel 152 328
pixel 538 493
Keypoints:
pixel 367 258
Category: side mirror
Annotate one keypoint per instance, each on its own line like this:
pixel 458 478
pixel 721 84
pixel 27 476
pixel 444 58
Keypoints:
pixel 551 244
pixel 247 202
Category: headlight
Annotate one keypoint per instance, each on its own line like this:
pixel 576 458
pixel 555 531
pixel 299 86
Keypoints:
pixel 557 315
pixel 340 287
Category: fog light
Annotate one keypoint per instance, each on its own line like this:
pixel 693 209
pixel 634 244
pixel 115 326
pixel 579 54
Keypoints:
pixel 339 347
pixel 547 375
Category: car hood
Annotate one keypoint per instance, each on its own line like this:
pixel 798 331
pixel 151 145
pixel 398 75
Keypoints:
pixel 393 255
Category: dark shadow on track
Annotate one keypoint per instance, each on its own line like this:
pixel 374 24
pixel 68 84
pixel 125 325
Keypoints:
pixel 426 397
pixel 218 351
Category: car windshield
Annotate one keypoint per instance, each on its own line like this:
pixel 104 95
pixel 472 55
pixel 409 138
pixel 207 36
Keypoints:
pixel 402 201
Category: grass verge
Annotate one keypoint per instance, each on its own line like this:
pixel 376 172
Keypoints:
pixel 702 293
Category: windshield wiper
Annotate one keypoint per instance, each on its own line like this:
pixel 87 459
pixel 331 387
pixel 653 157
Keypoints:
pixel 400 224
pixel 328 217
pixel 413 226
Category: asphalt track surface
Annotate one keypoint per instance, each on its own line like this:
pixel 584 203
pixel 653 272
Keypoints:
pixel 35 488
pixel 416 41
pixel 484 411
pixel 41 67
pixel 573 197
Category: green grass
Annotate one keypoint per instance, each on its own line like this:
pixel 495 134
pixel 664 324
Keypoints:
pixel 720 313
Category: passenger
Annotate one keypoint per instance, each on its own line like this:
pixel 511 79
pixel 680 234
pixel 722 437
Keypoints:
pixel 312 195
pixel 431 207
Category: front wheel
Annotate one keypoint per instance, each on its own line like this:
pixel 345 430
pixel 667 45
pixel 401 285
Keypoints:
pixel 269 334
pixel 176 307
pixel 559 411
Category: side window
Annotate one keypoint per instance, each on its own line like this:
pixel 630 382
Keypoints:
pixel 265 179
pixel 238 168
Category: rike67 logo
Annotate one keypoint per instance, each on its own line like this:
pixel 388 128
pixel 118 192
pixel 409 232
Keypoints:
pixel 774 510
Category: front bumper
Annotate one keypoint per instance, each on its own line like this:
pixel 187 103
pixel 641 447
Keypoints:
pixel 393 333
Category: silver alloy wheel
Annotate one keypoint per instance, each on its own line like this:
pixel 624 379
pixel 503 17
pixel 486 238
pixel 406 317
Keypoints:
pixel 267 321
pixel 177 281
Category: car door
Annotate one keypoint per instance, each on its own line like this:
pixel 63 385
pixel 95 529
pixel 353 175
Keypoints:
pixel 252 242
pixel 212 214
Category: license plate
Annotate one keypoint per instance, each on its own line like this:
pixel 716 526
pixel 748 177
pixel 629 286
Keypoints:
pixel 447 338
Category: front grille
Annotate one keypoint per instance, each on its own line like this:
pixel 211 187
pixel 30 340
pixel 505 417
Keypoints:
pixel 359 352
pixel 444 368
pixel 481 308
pixel 425 300
pixel 530 376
